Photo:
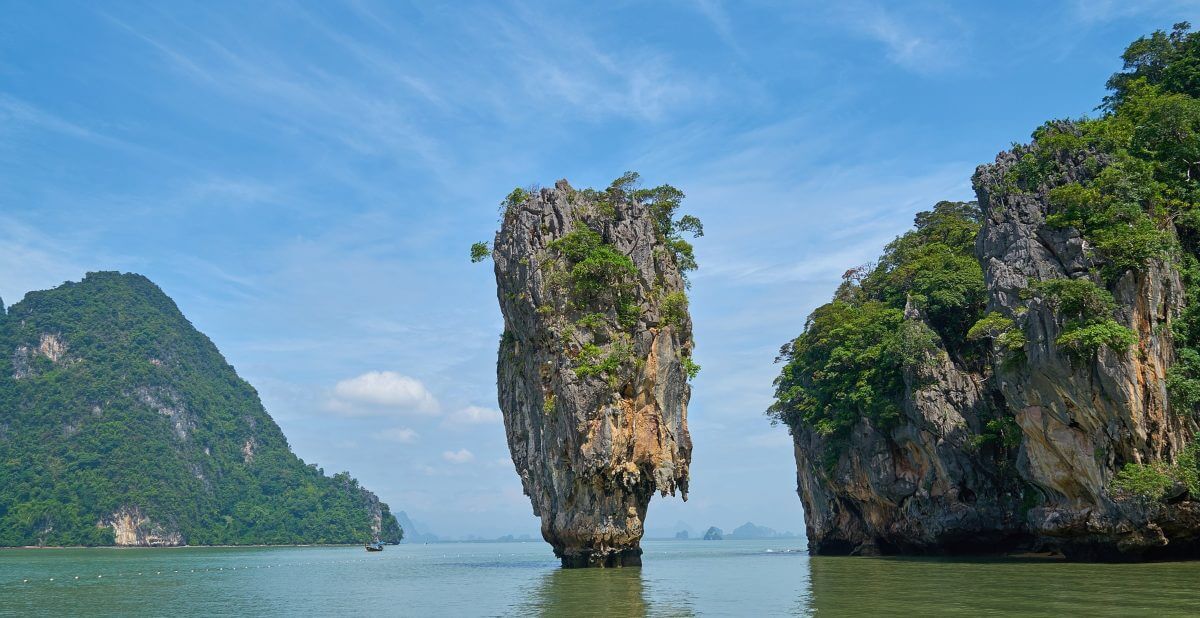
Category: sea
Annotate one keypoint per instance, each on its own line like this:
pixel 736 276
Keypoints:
pixel 773 577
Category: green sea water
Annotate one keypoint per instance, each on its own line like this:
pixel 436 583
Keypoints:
pixel 680 578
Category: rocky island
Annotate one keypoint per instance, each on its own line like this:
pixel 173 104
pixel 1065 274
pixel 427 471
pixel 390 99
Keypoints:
pixel 121 424
pixel 595 359
pixel 1023 372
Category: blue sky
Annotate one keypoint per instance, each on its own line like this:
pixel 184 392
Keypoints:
pixel 305 180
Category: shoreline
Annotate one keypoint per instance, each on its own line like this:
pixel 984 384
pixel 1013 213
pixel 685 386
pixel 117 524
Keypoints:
pixel 177 546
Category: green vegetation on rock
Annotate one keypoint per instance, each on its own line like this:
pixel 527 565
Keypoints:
pixel 1136 203
pixel 849 362
pixel 1002 330
pixel 480 251
pixel 599 273
pixel 1088 310
pixel 111 401
pixel 596 286
pixel 1141 206
pixel 1155 480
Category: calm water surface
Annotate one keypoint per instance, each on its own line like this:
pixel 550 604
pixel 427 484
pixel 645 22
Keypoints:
pixel 680 578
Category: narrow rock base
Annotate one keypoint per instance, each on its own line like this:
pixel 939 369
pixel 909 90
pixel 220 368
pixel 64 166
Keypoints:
pixel 582 559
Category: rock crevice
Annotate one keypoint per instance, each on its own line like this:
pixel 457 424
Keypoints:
pixel 1062 424
pixel 592 367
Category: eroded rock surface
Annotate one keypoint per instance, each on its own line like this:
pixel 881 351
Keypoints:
pixel 131 528
pixel 592 380
pixel 928 484
pixel 1081 421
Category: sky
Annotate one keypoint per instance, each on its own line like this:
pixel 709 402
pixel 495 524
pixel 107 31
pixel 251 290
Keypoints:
pixel 305 180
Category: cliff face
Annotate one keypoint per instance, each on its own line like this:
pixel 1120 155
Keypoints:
pixel 1019 448
pixel 133 529
pixel 915 487
pixel 1082 419
pixel 592 368
pixel 122 424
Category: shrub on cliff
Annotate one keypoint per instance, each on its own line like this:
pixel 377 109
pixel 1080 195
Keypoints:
pixel 848 363
pixel 1168 60
pixel 601 282
pixel 598 272
pixel 1154 480
pixel 1087 310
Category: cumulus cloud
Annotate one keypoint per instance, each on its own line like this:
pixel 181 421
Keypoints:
pixel 402 435
pixel 474 415
pixel 379 393
pixel 461 456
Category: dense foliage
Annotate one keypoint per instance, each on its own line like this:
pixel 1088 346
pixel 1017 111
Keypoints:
pixel 1139 203
pixel 134 408
pixel 848 364
pixel 1156 480
pixel 480 251
pixel 599 287
pixel 1087 311
pixel 1128 182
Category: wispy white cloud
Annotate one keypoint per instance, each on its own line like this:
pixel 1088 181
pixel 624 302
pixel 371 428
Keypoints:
pixel 461 456
pixel 921 39
pixel 380 393
pixel 777 439
pixel 473 415
pixel 564 65
pixel 501 462
pixel 1101 11
pixel 16 114
pixel 400 435
pixel 31 259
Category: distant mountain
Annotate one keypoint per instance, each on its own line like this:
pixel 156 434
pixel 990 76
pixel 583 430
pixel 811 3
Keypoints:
pixel 750 531
pixel 672 532
pixel 412 533
pixel 122 424
pixel 714 534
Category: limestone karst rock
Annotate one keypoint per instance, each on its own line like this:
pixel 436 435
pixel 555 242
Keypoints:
pixel 1019 448
pixel 132 429
pixel 1023 372
pixel 594 362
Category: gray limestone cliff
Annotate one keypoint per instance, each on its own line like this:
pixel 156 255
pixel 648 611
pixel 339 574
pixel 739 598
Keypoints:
pixel 1019 449
pixel 593 365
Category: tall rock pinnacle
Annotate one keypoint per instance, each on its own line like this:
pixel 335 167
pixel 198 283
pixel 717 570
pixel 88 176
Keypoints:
pixel 594 361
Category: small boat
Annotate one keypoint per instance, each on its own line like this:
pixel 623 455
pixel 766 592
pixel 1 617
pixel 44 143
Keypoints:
pixel 376 546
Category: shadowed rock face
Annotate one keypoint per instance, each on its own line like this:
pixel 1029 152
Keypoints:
pixel 923 487
pixel 594 394
pixel 1081 422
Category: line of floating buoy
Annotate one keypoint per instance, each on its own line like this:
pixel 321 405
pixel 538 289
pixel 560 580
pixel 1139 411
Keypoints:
pixel 233 568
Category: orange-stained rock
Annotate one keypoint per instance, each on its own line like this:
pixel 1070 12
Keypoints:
pixel 591 449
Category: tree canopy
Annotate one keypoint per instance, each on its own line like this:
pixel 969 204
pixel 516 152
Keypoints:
pixel 111 400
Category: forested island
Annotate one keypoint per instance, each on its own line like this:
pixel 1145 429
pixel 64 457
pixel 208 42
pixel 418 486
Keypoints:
pixel 123 425
pixel 1023 372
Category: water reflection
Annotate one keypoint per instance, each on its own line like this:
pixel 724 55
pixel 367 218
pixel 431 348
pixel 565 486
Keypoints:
pixel 991 587
pixel 562 592
pixel 602 592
